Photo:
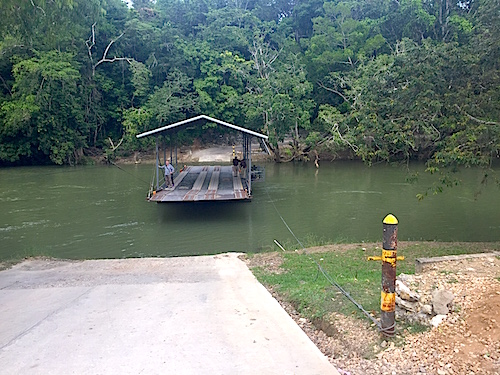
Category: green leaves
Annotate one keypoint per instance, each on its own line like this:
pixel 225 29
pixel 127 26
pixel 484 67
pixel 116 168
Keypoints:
pixel 141 76
pixel 173 100
pixel 380 80
pixel 43 109
pixel 278 95
pixel 135 121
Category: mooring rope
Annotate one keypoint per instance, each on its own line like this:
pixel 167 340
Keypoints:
pixel 327 276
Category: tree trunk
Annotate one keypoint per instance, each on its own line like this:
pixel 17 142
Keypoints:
pixel 277 156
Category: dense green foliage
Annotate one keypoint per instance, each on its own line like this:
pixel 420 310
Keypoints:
pixel 381 80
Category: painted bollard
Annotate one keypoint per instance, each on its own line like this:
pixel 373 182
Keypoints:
pixel 389 258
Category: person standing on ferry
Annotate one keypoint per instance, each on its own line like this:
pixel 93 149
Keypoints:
pixel 169 174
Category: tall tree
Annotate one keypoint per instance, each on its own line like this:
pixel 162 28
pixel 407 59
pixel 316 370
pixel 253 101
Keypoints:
pixel 340 42
pixel 278 99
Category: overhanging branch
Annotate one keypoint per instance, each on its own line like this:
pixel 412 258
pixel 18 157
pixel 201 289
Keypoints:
pixel 475 118
pixel 320 84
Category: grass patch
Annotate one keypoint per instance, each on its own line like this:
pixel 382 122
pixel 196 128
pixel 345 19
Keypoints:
pixel 302 284
pixel 313 296
pixel 310 240
pixel 417 328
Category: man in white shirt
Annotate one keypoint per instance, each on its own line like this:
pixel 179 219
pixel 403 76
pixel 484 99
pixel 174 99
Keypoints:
pixel 169 174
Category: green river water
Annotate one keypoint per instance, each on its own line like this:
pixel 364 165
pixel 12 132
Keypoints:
pixel 101 211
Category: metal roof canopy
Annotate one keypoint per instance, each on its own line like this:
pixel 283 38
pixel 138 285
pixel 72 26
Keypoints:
pixel 201 117
pixel 247 134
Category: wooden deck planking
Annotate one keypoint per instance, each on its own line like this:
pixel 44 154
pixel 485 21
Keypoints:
pixel 213 186
pixel 203 183
pixel 239 192
pixel 180 177
pixel 198 184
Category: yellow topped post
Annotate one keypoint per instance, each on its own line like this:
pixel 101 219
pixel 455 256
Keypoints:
pixel 390 219
pixel 388 258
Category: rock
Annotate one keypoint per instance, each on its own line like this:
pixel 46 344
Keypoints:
pixel 422 318
pixel 426 309
pixel 441 299
pixel 404 277
pixel 343 372
pixel 419 317
pixel 437 320
pixel 407 305
pixel 400 313
pixel 405 293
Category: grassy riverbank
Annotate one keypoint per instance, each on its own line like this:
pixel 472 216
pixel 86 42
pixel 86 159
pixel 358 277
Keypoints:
pixel 295 277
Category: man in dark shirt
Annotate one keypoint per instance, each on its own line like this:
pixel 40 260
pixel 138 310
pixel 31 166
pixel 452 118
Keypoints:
pixel 235 166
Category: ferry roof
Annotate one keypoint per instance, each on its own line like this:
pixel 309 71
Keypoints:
pixel 201 117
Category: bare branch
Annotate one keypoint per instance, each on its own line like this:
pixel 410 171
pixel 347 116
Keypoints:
pixel 37 7
pixel 320 84
pixel 113 147
pixel 90 43
pixel 264 56
pixel 476 119
pixel 41 85
pixel 104 56
pixel 336 129
pixel 109 46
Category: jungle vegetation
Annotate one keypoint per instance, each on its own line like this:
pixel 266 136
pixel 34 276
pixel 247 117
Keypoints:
pixel 378 80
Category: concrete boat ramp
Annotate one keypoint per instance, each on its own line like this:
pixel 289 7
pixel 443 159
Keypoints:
pixel 193 315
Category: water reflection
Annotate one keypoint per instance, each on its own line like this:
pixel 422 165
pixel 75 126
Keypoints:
pixel 199 212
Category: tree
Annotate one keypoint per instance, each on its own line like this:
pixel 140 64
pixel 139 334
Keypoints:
pixel 221 85
pixel 278 99
pixel 420 103
pixel 391 80
pixel 340 43
pixel 174 100
pixel 43 116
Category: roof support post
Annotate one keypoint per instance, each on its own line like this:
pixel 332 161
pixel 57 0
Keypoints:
pixel 170 139
pixel 157 157
pixel 175 143
pixel 164 143
pixel 247 151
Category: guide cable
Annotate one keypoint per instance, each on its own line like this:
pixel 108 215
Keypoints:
pixel 120 168
pixel 327 276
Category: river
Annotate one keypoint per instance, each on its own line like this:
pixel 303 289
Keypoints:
pixel 101 211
